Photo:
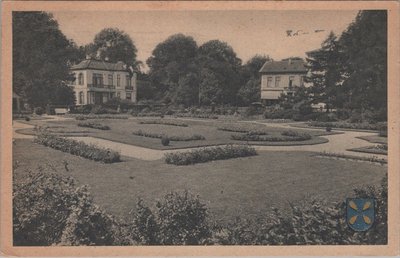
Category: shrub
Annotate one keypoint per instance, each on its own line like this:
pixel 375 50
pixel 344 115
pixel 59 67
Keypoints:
pixel 77 148
pixel 94 125
pixel 164 122
pixel 27 119
pixel 194 137
pixel 328 129
pixel 165 141
pixel 49 209
pixel 202 116
pixel 38 111
pixel 208 154
pixel 144 114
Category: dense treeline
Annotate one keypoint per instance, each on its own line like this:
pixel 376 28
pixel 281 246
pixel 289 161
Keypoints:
pixel 348 72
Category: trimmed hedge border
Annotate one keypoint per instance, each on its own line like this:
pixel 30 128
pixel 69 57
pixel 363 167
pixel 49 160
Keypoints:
pixel 203 155
pixel 78 148
pixel 203 116
pixel 351 157
pixel 163 122
pixel 94 125
pixel 241 129
pixel 85 117
pixel 346 125
pixel 194 137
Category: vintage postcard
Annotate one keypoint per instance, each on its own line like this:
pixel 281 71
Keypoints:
pixel 200 128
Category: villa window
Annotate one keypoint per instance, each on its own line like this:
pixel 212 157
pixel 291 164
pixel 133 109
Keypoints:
pixel 110 80
pixel 128 81
pixel 277 81
pixel 81 97
pixel 269 82
pixel 97 79
pixel 128 96
pixel 118 80
pixel 80 79
pixel 291 81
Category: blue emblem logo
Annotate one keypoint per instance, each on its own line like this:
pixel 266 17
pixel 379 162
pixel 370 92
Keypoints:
pixel 360 213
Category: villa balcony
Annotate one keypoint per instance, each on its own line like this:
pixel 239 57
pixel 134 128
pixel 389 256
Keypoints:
pixel 101 87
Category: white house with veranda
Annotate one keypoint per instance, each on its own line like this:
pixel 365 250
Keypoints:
pixel 98 81
pixel 279 77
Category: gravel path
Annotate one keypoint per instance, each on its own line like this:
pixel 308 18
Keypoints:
pixel 338 143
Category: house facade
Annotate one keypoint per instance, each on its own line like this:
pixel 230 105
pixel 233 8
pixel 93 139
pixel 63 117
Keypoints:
pixel 279 77
pixel 98 81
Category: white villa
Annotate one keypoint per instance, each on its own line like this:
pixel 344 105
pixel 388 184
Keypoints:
pixel 98 81
pixel 279 77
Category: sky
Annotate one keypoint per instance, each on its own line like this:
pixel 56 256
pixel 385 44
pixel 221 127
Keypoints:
pixel 248 32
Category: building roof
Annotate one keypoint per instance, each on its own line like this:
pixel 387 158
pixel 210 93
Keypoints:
pixel 284 66
pixel 99 65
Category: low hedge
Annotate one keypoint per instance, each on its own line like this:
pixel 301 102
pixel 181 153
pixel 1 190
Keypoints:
pixel 209 154
pixel 85 117
pixel 144 114
pixel 347 125
pixel 243 129
pixel 261 138
pixel 78 148
pixel 164 122
pixel 94 125
pixel 203 116
pixel 194 137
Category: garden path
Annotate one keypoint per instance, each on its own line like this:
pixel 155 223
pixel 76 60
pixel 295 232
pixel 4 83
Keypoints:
pixel 338 143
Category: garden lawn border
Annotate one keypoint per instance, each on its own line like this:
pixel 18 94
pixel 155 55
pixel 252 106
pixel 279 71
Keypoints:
pixel 374 160
pixel 333 128
pixel 370 150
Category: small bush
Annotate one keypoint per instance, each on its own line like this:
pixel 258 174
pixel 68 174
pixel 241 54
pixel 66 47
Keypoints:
pixel 51 210
pixel 94 125
pixel 287 136
pixel 77 148
pixel 165 141
pixel 27 119
pixel 328 129
pixel 38 111
pixel 208 154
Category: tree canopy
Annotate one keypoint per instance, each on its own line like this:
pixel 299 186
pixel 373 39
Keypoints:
pixel 41 55
pixel 115 45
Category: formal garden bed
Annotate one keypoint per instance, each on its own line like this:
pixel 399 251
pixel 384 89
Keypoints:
pixel 77 148
pixel 164 122
pixel 348 125
pixel 194 137
pixel 373 159
pixel 94 125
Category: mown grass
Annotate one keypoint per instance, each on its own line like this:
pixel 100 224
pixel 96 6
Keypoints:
pixel 121 131
pixel 244 187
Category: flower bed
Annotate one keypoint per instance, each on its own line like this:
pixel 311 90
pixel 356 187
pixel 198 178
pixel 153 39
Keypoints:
pixel 164 122
pixel 375 149
pixel 78 148
pixel 143 114
pixel 208 154
pixel 347 125
pixel 94 125
pixel 261 138
pixel 194 137
pixel 344 156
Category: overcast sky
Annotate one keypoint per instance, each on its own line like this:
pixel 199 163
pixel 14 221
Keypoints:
pixel 248 32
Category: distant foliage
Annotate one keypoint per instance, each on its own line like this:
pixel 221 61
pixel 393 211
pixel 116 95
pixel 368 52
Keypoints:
pixel 202 116
pixel 77 148
pixel 94 125
pixel 209 154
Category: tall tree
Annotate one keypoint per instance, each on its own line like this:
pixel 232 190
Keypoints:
pixel 41 54
pixel 364 45
pixel 172 60
pixel 325 72
pixel 116 45
pixel 218 61
pixel 251 80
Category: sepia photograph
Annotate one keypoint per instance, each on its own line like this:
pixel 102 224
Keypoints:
pixel 211 127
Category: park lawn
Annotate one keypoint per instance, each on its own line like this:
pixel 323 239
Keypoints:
pixel 121 131
pixel 244 187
